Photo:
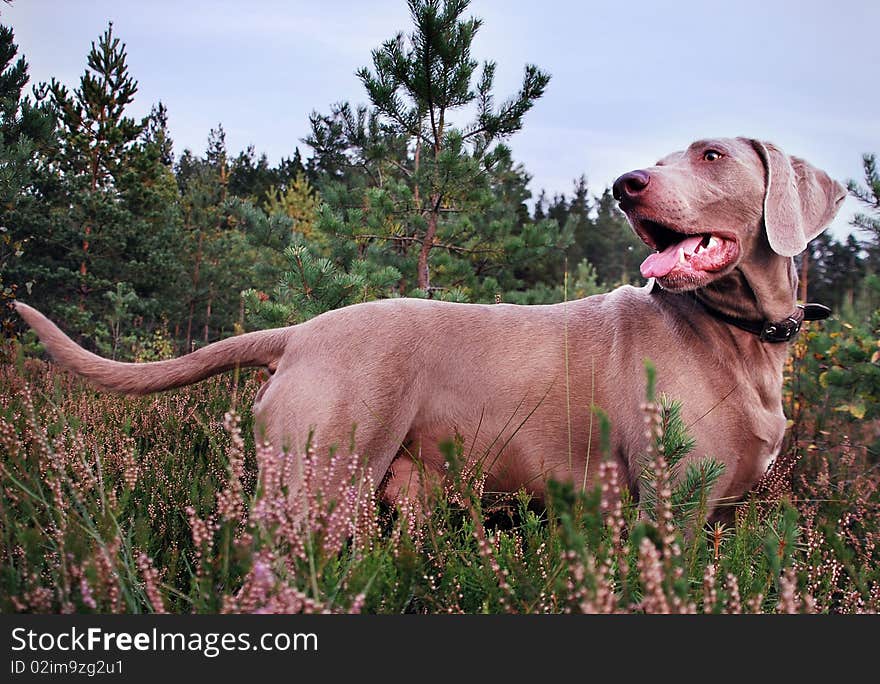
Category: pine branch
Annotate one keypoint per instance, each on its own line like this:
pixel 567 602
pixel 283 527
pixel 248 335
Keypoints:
pixel 410 239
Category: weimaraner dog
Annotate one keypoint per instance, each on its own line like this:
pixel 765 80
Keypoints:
pixel 395 378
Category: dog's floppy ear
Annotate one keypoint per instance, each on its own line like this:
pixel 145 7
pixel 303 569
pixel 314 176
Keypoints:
pixel 799 199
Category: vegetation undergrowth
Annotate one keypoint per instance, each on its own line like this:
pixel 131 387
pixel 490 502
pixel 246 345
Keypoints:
pixel 164 503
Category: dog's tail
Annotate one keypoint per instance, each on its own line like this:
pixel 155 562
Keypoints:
pixel 262 348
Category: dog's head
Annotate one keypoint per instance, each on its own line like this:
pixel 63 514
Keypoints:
pixel 721 203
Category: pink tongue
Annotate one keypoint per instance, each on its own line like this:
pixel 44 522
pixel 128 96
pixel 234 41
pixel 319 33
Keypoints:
pixel 661 263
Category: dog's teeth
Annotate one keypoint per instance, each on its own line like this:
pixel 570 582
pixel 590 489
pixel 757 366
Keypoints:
pixel 713 242
pixel 681 255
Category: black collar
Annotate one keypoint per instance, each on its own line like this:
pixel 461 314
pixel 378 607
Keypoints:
pixel 768 331
pixel 774 331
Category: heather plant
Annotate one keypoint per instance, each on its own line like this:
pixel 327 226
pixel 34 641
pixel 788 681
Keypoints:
pixel 165 503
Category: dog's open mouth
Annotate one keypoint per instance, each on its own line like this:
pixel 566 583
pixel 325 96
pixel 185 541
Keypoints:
pixel 683 255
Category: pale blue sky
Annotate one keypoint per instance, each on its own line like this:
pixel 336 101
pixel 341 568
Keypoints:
pixel 632 80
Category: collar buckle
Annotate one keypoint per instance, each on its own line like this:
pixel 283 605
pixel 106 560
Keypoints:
pixel 781 331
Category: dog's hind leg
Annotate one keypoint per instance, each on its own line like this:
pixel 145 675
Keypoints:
pixel 302 409
pixel 410 483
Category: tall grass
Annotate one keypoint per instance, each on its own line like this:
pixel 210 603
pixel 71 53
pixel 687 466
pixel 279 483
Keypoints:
pixel 164 503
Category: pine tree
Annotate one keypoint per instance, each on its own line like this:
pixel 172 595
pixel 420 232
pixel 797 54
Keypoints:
pixel 26 128
pixel 613 247
pixel 540 214
pixel 156 134
pixel 289 168
pixel 96 137
pixel 203 186
pixel 836 270
pixel 416 86
pixel 557 209
pixel 580 224
pixel 218 159
pixel 250 176
pixel 869 223
pixel 313 285
pixel 602 237
pixel 299 202
pixel 96 134
pixel 109 203
pixel 229 243
pixel 148 190
pixel 869 194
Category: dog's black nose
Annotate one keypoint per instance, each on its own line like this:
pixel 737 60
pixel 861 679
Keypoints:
pixel 630 184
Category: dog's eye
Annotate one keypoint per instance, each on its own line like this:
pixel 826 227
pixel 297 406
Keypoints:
pixel 712 155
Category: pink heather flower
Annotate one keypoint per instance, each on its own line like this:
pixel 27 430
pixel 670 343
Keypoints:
pixel 151 583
